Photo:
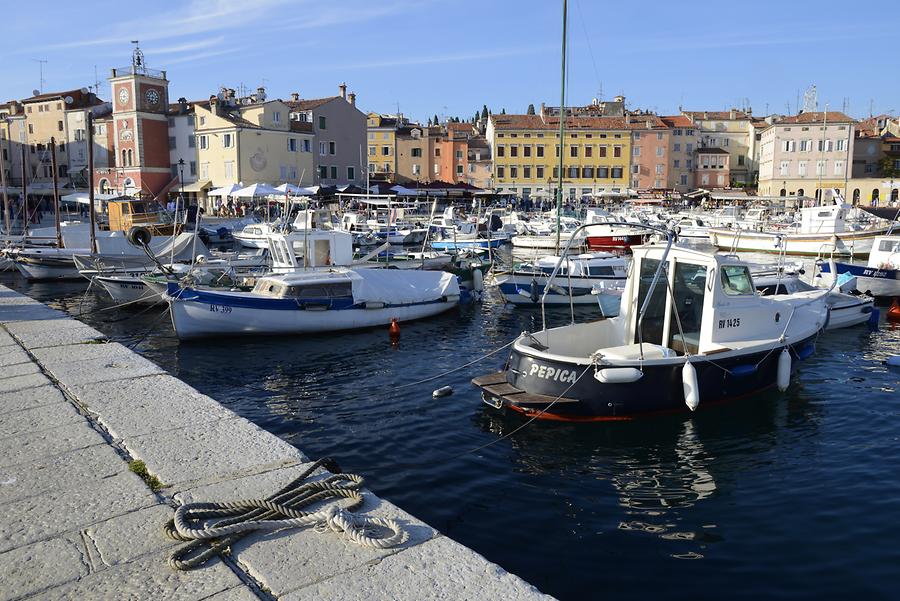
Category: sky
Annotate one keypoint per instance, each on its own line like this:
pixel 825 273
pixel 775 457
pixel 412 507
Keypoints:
pixel 448 58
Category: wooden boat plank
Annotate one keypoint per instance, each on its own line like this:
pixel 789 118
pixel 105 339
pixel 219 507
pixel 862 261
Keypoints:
pixel 490 379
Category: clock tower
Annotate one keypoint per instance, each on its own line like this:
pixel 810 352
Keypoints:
pixel 140 101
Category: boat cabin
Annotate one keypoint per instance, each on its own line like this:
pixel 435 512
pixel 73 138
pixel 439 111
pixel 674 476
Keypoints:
pixel 830 219
pixel 128 212
pixel 885 253
pixel 599 264
pixel 325 286
pixel 310 248
pixel 701 304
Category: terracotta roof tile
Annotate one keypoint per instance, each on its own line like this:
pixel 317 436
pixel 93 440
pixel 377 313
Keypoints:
pixel 717 115
pixel 504 122
pixel 816 117
pixel 308 104
pixel 677 121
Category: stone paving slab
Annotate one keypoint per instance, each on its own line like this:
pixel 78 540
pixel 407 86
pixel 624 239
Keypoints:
pixel 438 569
pixel 148 404
pixel 39 566
pixel 19 369
pixel 89 363
pixel 30 398
pixel 52 330
pixel 290 559
pixel 57 511
pixel 17 383
pixel 126 537
pixel 16 312
pixel 30 446
pixel 40 418
pixel 12 354
pixel 211 452
pixel 64 471
pixel 148 578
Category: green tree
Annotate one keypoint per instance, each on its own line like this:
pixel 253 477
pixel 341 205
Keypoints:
pixel 436 120
pixel 503 111
pixel 484 112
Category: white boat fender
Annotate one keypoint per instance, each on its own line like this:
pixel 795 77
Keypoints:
pixel 477 280
pixel 784 370
pixel 620 375
pixel 689 384
pixel 441 392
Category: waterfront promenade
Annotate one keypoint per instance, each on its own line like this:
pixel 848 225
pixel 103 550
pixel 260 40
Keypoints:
pixel 75 409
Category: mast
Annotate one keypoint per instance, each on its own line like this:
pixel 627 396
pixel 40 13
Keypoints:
pixel 5 192
pixel 93 217
pixel 24 196
pixel 821 171
pixel 562 126
pixel 59 240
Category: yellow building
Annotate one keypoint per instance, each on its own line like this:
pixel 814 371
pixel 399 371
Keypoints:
pixel 253 142
pixel 525 149
pixel 382 142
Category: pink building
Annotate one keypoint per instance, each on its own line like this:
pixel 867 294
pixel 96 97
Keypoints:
pixel 713 168
pixel 649 152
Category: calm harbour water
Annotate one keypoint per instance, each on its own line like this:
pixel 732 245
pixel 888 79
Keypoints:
pixel 777 496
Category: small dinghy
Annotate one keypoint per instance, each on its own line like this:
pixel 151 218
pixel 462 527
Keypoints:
pixel 692 331
pixel 313 301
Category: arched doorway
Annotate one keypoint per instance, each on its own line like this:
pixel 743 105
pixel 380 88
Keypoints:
pixel 895 194
pixel 783 192
pixel 875 196
pixel 104 186
pixel 800 192
pixel 856 196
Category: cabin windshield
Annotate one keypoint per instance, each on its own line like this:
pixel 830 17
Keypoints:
pixel 319 291
pixel 736 280
pixel 689 289
pixel 651 327
pixel 889 246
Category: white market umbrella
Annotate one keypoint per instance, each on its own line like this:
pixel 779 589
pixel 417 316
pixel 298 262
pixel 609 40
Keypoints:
pixel 224 190
pixel 290 189
pixel 256 190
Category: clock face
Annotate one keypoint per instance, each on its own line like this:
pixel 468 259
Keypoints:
pixel 152 97
pixel 123 95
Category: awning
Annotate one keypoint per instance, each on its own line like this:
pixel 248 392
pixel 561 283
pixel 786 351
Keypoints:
pixel 224 190
pixel 194 187
pixel 83 198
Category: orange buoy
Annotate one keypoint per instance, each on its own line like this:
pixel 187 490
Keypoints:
pixel 893 313
pixel 394 330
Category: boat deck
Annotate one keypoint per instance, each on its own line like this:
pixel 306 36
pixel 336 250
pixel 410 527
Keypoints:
pixel 495 385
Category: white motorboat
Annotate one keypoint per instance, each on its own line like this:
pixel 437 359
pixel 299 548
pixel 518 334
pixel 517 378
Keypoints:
pixel 255 235
pixel 823 230
pixel 585 279
pixel 542 235
pixel 611 232
pixel 692 332
pixel 313 301
pixel 880 276
pixel 844 310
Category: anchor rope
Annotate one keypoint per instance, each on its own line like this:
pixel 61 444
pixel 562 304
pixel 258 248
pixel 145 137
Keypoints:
pixel 212 527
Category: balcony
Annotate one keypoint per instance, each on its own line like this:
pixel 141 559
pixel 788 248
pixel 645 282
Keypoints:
pixel 138 70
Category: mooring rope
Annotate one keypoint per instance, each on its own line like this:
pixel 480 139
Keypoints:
pixel 211 528
pixel 461 367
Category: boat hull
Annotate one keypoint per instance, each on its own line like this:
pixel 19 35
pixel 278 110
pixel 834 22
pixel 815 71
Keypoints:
pixel 128 290
pixel 841 244
pixel 197 314
pixel 525 289
pixel 47 269
pixel 463 244
pixel 529 385
pixel 871 280
pixel 616 241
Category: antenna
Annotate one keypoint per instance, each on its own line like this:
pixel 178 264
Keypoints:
pixel 810 100
pixel 871 107
pixel 41 62
pixel 96 81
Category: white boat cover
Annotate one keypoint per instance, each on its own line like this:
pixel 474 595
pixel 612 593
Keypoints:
pixel 401 286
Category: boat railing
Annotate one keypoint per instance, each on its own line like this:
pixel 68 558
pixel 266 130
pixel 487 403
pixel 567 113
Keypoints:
pixel 563 256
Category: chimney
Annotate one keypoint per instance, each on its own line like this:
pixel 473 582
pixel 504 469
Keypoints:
pixel 627 118
pixel 295 96
pixel 182 105
pixel 214 104
pixel 351 98
pixel 343 89
pixel 261 94
pixel 731 114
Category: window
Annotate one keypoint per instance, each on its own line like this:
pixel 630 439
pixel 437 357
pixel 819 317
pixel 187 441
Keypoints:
pixel 676 132
pixel 459 170
pixel 725 143
pixel 572 172
pixel 173 143
pixel 526 172
pixel 513 172
pixel 684 180
pixel 276 117
pixel 841 144
pixel 513 151
pixel 740 160
pixel 787 145
pixel 204 170
pixel 820 167
pixel 801 168
pixel 385 151
pixel 416 169
pixel 30 127
pixel 192 143
pixel 617 172
pixel 540 172
pixel 659 170
pixel 322 123
pixel 689 163
pixel 501 172
pixel 59 125
pixel 659 135
pixel 332 148
pixel 416 152
pixel 839 167
pixel 676 163
pixel 190 120
pixel 636 169
pixel 636 151
pixel 602 150
pixel 202 120
pixel 677 146
pixel 307 146
pixel 323 172
pixel 322 149
pixel 526 151
pixel 334 173
pixel 227 140
pixel 573 151
pixel 193 167
pixel 292 144
pixel 617 151
pixel 371 167
pixel 587 172
pixel 588 151
pixel 437 152
pixel 805 145
pixel 736 280
pixel 659 151
pixel 373 151
pixel 540 151
pixel 173 170
pixel 229 170
pixel 602 172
